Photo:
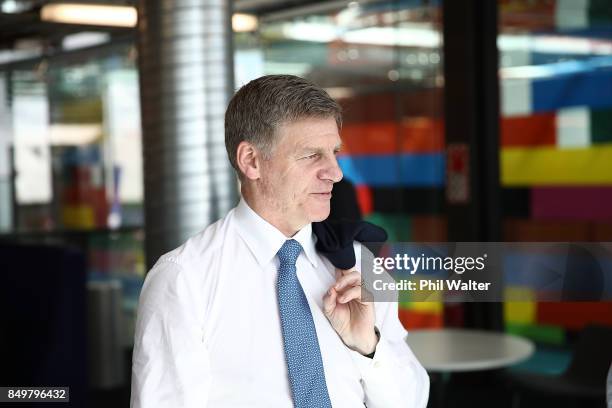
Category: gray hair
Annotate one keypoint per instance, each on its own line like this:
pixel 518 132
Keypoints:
pixel 258 109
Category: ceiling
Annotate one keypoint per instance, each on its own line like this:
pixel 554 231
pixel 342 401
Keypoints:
pixel 23 21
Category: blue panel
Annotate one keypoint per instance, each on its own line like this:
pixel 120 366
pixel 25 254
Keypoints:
pixel 556 272
pixel 596 30
pixel 535 270
pixel 395 170
pixel 591 88
pixel 398 5
pixel 551 59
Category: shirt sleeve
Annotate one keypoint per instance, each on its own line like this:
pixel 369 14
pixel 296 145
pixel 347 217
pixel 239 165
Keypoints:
pixel 170 363
pixel 394 378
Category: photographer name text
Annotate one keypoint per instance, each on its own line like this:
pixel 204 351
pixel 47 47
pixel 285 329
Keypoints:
pixel 432 285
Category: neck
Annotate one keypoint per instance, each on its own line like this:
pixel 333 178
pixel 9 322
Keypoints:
pixel 271 211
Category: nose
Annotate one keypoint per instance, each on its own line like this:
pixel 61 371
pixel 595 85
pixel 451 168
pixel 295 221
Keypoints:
pixel 331 171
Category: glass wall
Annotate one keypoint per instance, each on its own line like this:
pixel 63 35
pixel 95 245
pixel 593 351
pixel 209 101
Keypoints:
pixel 71 167
pixel 556 147
pixel 76 143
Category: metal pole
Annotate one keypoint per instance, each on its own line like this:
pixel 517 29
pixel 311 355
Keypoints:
pixel 186 78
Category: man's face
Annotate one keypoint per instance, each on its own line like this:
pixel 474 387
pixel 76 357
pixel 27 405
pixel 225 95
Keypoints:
pixel 297 180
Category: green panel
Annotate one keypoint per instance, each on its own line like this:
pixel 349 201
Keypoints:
pixel 311 53
pixel 600 12
pixel 539 333
pixel 404 299
pixel 601 126
pixel 398 226
pixel 401 304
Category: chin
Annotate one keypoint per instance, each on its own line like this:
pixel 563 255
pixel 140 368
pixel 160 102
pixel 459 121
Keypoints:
pixel 319 218
pixel 318 213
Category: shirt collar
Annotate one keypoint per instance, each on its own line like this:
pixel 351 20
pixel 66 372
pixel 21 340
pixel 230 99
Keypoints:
pixel 264 240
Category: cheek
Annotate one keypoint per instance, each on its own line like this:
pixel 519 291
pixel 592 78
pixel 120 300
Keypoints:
pixel 307 183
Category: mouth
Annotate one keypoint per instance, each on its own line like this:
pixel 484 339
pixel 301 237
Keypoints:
pixel 325 196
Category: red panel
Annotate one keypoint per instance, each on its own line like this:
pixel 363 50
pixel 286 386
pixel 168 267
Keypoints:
pixel 574 315
pixel 382 107
pixel 529 14
pixel 425 134
pixel 533 130
pixel 364 199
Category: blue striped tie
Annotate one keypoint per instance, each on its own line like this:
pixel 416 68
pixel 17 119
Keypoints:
pixel 302 351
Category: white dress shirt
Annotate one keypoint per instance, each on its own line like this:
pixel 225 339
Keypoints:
pixel 208 331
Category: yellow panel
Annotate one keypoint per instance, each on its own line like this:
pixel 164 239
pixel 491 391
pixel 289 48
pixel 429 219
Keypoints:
pixel 553 166
pixel 81 216
pixel 430 307
pixel 520 312
pixel 523 311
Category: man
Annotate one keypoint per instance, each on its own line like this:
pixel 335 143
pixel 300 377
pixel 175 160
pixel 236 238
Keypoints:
pixel 247 313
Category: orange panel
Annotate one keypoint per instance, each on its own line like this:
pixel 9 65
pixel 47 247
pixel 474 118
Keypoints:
pixel 519 229
pixel 414 135
pixel 419 320
pixel 370 138
pixel 533 130
pixel 601 231
pixel 545 231
pixel 423 135
pixel 429 228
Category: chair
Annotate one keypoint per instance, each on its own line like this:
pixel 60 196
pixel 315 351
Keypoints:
pixel 584 381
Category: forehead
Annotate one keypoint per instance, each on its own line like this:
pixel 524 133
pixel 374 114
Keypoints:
pixel 310 132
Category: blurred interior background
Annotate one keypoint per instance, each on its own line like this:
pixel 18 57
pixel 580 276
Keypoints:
pixel 464 120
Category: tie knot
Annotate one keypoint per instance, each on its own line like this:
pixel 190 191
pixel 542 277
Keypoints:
pixel 289 252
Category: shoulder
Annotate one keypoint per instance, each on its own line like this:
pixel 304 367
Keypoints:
pixel 190 262
pixel 204 244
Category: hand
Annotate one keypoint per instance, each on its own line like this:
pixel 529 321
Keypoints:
pixel 351 316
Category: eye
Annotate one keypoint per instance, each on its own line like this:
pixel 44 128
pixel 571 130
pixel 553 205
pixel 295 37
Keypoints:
pixel 311 156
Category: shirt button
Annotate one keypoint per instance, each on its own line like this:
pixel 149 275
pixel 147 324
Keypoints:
pixel 377 364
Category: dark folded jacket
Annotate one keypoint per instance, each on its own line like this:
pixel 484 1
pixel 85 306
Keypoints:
pixel 335 239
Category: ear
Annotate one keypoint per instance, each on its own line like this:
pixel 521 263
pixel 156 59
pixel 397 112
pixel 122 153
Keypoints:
pixel 247 158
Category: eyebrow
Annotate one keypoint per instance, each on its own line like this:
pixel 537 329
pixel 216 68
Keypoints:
pixel 308 149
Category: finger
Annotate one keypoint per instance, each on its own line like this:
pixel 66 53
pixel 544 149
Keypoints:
pixel 329 301
pixel 350 294
pixel 352 279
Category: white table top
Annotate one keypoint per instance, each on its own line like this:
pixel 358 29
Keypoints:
pixel 451 350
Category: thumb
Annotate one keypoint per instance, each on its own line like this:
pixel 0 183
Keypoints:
pixel 329 302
